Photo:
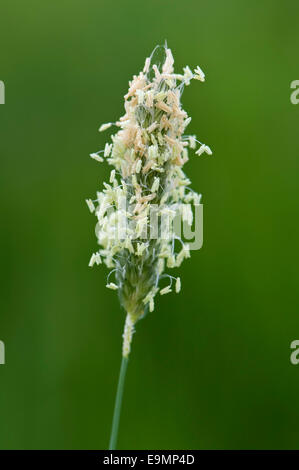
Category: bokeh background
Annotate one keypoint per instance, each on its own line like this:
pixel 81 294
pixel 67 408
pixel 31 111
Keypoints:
pixel 210 368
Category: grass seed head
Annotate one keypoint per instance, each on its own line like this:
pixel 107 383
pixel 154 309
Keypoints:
pixel 147 183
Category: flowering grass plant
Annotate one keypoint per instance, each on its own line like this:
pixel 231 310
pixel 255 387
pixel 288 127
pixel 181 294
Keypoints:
pixel 147 189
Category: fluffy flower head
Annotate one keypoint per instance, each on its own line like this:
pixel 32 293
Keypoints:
pixel 147 186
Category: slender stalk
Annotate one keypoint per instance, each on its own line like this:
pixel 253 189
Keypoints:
pixel 118 403
pixel 127 338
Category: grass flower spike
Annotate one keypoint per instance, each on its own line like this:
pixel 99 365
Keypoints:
pixel 147 189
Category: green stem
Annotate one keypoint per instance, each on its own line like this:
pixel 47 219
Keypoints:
pixel 118 402
pixel 127 339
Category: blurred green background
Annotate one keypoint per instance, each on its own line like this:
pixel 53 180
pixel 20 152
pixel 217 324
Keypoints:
pixel 210 368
